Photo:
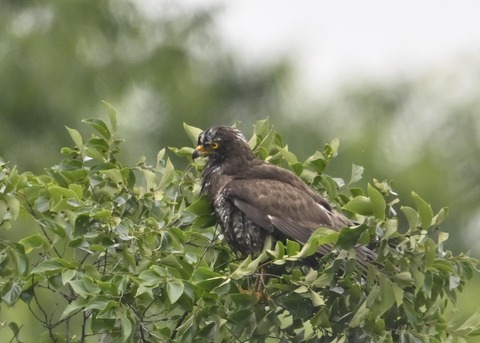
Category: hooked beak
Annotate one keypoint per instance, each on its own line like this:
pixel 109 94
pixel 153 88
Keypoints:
pixel 198 152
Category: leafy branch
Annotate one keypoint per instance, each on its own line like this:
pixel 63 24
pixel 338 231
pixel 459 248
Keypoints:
pixel 133 254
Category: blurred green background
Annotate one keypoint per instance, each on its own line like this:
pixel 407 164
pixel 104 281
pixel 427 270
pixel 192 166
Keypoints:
pixel 60 59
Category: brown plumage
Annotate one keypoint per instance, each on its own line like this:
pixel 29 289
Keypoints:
pixel 253 199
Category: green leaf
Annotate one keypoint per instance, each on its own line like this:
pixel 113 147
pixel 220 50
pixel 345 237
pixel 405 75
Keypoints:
pixel 387 295
pixel 99 125
pixel 42 204
pixel 471 326
pixel 67 275
pixel 297 168
pixel 13 208
pixel 397 294
pixel 403 278
pixel 442 237
pixel 168 175
pixel 182 152
pixel 77 139
pixel 92 271
pixel 115 175
pixel 85 287
pixel 277 253
pixel 34 241
pixel 106 308
pixel 424 210
pixel 293 247
pixel 453 281
pixel 301 289
pixel 288 156
pixel 3 255
pixel 378 202
pixel 102 214
pixel 330 185
pixel 317 299
pixel 108 288
pixel 64 205
pixel 97 149
pixel 192 133
pixel 440 216
pixel 52 226
pixel 10 292
pixel 349 236
pixel 77 189
pixel 261 127
pixel 359 316
pixel 127 325
pixel 419 279
pixel 430 252
pixel 266 143
pixel 356 175
pixel 331 150
pixel 112 115
pixel 174 290
pixel 75 306
pixel 160 156
pixel 317 161
pixel 391 227
pixel 222 289
pixel 320 237
pixel 412 217
pixel 54 264
pixel 203 222
pixel 247 267
pixel 207 283
pixel 4 215
pixel 18 255
pixel 150 278
pixel 241 318
pixel 58 193
pixel 204 273
pixel 200 207
pixel 443 266
pixel 360 204
pixel 411 314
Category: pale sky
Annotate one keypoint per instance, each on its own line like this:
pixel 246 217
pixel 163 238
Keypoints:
pixel 333 41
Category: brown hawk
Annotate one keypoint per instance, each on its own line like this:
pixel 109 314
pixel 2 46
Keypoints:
pixel 253 199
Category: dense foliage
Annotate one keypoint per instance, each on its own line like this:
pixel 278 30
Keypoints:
pixel 132 254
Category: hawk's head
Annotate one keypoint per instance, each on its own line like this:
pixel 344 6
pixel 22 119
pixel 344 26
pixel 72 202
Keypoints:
pixel 220 143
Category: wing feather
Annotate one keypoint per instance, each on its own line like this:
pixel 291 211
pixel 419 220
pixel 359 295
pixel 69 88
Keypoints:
pixel 273 204
pixel 254 214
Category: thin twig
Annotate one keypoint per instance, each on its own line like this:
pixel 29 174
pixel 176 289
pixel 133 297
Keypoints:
pixel 179 323
pixel 45 322
pixel 84 324
pixel 34 215
pixel 15 334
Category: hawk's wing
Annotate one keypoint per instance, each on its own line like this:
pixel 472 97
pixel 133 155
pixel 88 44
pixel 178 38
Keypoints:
pixel 273 204
pixel 282 208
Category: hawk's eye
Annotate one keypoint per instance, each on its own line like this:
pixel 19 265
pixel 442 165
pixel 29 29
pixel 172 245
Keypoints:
pixel 215 145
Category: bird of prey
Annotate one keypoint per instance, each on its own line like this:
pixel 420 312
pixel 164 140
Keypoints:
pixel 253 199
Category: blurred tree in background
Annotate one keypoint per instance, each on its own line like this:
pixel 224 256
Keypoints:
pixel 58 60
pixel 160 68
